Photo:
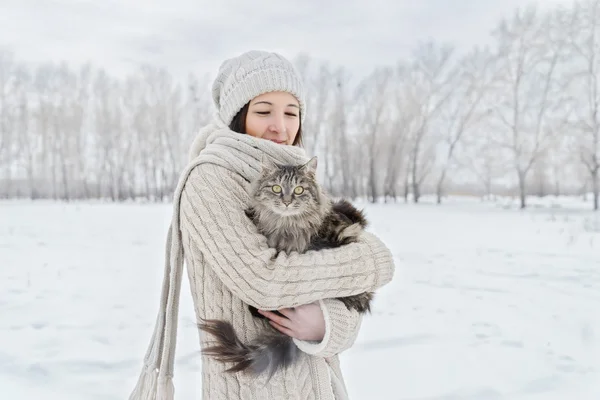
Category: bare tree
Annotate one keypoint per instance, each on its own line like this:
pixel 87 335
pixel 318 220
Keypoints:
pixel 67 120
pixel 337 141
pixel 6 134
pixel 82 110
pixel 374 94
pixel 26 136
pixel 165 106
pixel 403 119
pixel 480 155
pixel 113 142
pixel 474 75
pixel 318 80
pixel 197 111
pixel 529 51
pixel 319 90
pixel 431 79
pixel 539 175
pixel 45 181
pixel 584 35
pixel 561 176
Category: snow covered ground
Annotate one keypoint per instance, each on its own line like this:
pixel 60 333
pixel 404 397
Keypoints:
pixel 489 302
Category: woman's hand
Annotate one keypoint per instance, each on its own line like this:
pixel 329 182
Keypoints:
pixel 304 322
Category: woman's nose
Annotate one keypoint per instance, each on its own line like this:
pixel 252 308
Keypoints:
pixel 278 127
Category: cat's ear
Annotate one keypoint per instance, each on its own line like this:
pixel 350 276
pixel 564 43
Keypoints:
pixel 311 165
pixel 267 164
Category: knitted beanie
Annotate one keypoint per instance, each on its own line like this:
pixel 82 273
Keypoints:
pixel 251 74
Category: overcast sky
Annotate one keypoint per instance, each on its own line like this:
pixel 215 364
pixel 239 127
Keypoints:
pixel 196 35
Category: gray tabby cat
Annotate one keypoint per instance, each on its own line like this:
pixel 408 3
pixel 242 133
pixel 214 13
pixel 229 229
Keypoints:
pixel 290 209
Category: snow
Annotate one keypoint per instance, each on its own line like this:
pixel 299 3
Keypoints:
pixel 488 302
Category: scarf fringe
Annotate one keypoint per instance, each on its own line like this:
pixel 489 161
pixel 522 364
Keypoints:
pixel 166 390
pixel 151 386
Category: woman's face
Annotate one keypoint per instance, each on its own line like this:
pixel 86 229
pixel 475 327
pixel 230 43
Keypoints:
pixel 274 116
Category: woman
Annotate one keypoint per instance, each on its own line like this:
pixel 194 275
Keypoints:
pixel 261 105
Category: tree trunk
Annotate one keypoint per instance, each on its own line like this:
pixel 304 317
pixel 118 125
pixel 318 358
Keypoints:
pixel 372 183
pixel 439 187
pixel 415 181
pixel 522 189
pixel 595 188
pixel 416 192
pixel 407 181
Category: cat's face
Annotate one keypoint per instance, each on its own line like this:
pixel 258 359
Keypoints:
pixel 288 190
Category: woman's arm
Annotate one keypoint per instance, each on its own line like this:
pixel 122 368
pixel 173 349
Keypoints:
pixel 212 212
pixel 324 328
pixel 341 329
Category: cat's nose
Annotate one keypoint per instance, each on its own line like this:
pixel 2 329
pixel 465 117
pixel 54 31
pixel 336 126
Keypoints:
pixel 287 202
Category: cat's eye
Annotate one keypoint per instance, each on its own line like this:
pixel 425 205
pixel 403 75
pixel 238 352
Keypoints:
pixel 298 190
pixel 276 189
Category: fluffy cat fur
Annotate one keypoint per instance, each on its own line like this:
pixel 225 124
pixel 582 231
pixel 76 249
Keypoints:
pixel 290 209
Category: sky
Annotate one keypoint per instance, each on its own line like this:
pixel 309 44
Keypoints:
pixel 197 35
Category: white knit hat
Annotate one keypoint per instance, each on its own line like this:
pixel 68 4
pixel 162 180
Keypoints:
pixel 251 74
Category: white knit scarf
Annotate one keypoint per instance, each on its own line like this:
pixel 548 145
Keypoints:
pixel 241 154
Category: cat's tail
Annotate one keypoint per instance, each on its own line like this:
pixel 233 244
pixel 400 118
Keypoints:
pixel 352 214
pixel 269 352
pixel 350 232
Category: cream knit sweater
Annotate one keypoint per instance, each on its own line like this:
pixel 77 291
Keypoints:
pixel 230 266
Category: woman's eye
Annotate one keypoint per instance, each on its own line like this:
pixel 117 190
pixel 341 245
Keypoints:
pixel 291 114
pixel 263 112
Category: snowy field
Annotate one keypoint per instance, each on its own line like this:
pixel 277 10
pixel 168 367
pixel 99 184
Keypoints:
pixel 488 302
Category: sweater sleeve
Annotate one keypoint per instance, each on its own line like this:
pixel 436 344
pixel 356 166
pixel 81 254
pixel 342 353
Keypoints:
pixel 341 329
pixel 212 211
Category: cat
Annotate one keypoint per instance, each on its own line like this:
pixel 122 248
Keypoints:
pixel 291 210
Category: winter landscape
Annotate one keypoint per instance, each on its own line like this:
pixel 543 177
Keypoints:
pixel 488 302
pixel 470 134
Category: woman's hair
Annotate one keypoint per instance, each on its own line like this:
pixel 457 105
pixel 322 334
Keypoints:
pixel 238 124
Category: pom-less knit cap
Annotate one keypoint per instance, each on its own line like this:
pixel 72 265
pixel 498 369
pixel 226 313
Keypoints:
pixel 251 74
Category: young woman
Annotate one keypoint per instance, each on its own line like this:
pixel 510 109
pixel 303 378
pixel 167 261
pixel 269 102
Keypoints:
pixel 260 101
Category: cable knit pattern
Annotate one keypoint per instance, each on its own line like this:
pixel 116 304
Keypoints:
pixel 230 266
pixel 213 204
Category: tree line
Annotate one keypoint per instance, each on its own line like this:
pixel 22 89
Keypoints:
pixel 517 117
